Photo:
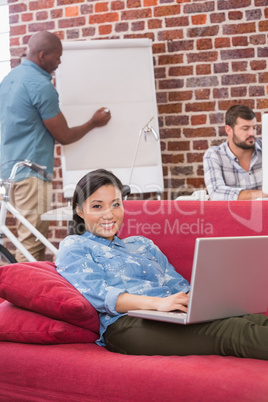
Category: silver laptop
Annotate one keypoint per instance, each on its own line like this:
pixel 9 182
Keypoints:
pixel 229 278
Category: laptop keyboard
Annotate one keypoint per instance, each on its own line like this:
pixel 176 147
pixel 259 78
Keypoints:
pixel 177 313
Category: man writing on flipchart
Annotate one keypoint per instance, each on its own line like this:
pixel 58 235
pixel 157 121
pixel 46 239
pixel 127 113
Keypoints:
pixel 30 122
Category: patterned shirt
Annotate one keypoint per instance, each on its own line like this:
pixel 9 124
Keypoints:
pixel 224 176
pixel 101 270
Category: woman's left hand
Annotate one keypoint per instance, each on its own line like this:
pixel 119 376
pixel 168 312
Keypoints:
pixel 178 301
pixel 126 302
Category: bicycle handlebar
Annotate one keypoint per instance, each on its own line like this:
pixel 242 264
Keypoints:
pixel 41 170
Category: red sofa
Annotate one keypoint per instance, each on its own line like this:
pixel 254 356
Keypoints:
pixel 47 344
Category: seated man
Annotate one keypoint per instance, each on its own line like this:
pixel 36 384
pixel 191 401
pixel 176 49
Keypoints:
pixel 233 170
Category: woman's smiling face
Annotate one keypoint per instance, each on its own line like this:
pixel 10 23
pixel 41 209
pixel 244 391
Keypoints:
pixel 103 212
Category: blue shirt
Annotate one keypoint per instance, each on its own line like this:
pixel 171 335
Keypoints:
pixel 102 270
pixel 27 97
pixel 224 176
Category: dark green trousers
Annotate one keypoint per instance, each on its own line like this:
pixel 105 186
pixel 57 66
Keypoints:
pixel 238 336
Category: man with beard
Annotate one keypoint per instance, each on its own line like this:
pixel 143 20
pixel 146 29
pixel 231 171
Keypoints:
pixel 233 170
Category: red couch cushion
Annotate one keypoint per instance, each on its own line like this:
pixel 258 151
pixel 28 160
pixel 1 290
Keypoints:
pixel 175 225
pixel 38 287
pixel 88 372
pixel 19 325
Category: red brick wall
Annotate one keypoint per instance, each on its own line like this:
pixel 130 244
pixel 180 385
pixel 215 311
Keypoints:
pixel 208 55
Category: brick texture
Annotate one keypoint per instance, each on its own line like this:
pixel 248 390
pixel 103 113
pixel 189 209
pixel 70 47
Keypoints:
pixel 208 55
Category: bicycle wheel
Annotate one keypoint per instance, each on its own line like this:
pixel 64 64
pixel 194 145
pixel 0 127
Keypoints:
pixel 6 257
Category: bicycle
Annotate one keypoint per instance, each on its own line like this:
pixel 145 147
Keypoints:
pixel 5 185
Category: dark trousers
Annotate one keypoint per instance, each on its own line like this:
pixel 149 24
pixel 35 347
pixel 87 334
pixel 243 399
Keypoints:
pixel 238 336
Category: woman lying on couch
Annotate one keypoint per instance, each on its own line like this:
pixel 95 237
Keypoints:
pixel 117 275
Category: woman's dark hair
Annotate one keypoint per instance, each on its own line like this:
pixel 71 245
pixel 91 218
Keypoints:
pixel 90 183
pixel 235 111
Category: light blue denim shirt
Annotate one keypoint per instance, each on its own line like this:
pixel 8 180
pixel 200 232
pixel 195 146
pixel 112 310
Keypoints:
pixel 27 97
pixel 101 270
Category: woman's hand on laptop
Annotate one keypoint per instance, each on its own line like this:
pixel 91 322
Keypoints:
pixel 178 301
pixel 126 302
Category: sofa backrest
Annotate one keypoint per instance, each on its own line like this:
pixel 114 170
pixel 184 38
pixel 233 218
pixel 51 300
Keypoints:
pixel 174 225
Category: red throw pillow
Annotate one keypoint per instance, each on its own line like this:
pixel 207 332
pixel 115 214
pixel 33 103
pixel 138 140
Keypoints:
pixel 37 286
pixel 19 325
